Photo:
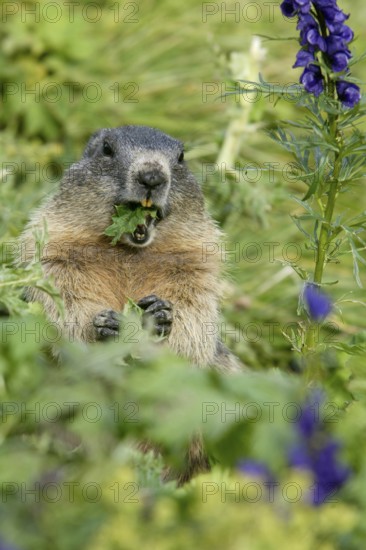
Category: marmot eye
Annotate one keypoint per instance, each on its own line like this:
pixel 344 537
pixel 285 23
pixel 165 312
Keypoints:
pixel 181 157
pixel 107 149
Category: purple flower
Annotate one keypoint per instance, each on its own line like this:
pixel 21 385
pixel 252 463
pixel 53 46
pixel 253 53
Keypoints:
pixel 312 80
pixel 314 38
pixel 303 58
pixel 348 93
pixel 330 474
pixel 325 3
pixel 334 17
pixel 290 8
pixel 346 33
pixel 319 305
pixel 316 451
pixel 309 32
pixel 255 468
pixel 336 43
pixel 339 62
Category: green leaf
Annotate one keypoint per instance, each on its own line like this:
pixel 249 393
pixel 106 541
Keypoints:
pixel 127 220
pixel 297 222
pixel 307 207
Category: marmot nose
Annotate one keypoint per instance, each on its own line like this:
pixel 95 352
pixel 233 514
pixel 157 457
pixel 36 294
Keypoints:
pixel 151 178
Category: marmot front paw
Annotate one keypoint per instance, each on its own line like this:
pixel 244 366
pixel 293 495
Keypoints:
pixel 161 312
pixel 106 324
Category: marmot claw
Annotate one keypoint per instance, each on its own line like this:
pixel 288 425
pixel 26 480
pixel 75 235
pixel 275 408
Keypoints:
pixel 161 312
pixel 106 324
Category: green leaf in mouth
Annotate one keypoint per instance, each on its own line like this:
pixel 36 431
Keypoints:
pixel 126 220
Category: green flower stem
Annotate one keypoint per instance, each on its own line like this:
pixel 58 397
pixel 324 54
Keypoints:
pixel 325 236
pixel 325 233
pixel 313 369
pixel 312 361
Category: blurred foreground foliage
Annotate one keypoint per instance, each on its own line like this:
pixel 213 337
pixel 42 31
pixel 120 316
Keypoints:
pixel 71 476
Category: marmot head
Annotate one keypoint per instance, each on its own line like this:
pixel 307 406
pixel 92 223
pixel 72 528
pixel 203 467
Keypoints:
pixel 135 165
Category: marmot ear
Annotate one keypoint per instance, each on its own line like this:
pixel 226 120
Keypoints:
pixel 93 143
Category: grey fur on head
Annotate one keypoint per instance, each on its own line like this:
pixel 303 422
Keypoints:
pixel 131 164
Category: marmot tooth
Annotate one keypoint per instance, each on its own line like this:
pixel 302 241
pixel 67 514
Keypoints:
pixel 146 203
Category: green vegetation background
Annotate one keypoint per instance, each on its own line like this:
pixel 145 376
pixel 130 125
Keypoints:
pixel 160 63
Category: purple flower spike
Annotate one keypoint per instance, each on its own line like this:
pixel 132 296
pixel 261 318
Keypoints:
pixel 330 39
pixel 319 305
pixel 317 452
